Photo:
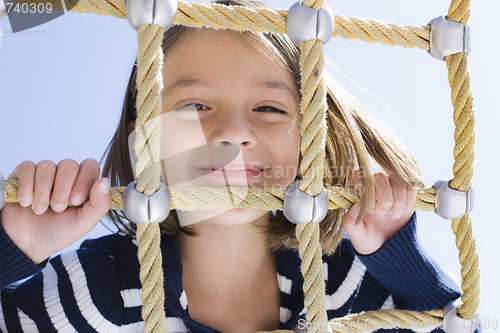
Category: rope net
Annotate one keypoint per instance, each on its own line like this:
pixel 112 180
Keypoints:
pixel 313 106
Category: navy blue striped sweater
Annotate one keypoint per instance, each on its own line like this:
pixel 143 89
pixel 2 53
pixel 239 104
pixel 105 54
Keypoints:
pixel 97 288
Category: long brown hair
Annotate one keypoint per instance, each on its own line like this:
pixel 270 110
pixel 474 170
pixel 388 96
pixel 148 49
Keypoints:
pixel 353 141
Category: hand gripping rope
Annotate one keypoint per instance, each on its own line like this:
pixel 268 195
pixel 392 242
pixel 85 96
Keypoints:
pixel 446 38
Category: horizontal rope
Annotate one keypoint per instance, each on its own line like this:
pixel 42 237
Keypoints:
pixel 370 321
pixel 264 20
pixel 387 319
pixel 242 197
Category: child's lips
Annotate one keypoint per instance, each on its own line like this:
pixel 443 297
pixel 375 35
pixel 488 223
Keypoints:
pixel 232 171
pixel 231 174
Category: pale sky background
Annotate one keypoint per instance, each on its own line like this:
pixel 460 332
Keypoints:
pixel 62 87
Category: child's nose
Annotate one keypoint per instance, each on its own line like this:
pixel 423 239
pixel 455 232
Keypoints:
pixel 233 128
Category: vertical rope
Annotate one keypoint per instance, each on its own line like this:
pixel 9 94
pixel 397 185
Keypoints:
pixel 315 4
pixel 147 147
pixel 463 154
pixel 312 147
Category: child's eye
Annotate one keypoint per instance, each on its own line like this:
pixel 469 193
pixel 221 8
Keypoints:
pixel 268 108
pixel 193 107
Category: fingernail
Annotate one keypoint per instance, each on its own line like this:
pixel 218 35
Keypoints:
pixel 57 207
pixel 104 187
pixel 39 210
pixel 395 215
pixel 76 199
pixel 24 201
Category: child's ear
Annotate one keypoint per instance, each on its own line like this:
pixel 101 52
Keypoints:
pixel 131 126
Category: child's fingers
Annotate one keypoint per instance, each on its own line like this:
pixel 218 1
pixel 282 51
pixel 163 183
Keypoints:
pixel 67 170
pixel 88 174
pixel 44 180
pixel 399 198
pixel 383 194
pixel 25 173
pixel 98 205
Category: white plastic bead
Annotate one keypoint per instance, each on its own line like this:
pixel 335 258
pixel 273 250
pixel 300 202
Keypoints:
pixel 450 203
pixel 326 24
pixel 140 208
pixel 159 12
pixel 448 37
pixel 301 208
pixel 305 23
pixel 452 323
pixel 3 188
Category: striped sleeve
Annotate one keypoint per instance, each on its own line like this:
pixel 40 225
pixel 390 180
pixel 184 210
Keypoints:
pixel 14 264
pixel 76 292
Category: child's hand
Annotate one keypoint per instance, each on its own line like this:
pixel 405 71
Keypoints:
pixel 40 231
pixel 391 209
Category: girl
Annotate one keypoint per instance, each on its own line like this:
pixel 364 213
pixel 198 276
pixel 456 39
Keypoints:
pixel 231 109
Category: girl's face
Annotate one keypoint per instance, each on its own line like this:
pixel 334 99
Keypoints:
pixel 230 118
